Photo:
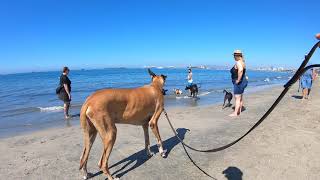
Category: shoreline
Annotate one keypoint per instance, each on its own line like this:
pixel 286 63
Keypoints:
pixel 58 122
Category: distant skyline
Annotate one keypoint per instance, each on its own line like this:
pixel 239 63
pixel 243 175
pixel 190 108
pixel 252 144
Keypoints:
pixel 41 35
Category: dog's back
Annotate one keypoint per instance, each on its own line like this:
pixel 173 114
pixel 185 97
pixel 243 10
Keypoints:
pixel 129 106
pixel 228 94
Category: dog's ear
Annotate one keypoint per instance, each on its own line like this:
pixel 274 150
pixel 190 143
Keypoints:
pixel 151 73
pixel 164 77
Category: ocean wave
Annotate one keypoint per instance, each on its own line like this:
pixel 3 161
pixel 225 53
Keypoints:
pixel 267 80
pixel 18 111
pixel 204 93
pixel 51 109
pixel 183 97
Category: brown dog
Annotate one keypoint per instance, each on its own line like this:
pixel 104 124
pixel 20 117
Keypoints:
pixel 177 91
pixel 104 108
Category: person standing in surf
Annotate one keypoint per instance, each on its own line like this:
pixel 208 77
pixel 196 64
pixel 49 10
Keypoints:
pixel 190 80
pixel 64 93
pixel 239 80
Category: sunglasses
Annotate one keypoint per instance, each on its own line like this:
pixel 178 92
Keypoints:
pixel 237 54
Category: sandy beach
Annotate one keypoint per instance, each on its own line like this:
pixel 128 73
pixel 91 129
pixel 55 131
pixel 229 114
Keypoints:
pixel 285 146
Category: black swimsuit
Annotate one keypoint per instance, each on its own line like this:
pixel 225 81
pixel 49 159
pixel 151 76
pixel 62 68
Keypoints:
pixel 238 88
pixel 234 74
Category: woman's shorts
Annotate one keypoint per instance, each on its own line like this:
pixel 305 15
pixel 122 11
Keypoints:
pixel 239 88
pixel 306 83
pixel 64 97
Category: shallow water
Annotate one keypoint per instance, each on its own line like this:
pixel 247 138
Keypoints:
pixel 28 101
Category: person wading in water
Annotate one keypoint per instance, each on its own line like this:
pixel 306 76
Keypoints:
pixel 64 93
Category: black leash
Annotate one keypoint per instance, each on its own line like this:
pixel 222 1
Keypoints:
pixel 184 148
pixel 301 70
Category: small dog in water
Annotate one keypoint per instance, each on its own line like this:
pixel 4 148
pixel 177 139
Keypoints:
pixel 177 91
pixel 228 96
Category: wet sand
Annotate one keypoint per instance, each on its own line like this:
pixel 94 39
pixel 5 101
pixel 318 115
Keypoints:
pixel 285 146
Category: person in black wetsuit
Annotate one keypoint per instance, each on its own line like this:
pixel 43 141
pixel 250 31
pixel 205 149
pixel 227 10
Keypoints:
pixel 239 80
pixel 65 91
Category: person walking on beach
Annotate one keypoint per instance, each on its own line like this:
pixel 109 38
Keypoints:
pixel 239 80
pixel 306 82
pixel 65 91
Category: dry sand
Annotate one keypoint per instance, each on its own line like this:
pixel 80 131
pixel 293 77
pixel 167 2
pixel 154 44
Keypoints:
pixel 285 146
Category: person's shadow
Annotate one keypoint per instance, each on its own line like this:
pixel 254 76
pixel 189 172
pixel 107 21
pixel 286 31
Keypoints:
pixel 243 108
pixel 140 157
pixel 233 173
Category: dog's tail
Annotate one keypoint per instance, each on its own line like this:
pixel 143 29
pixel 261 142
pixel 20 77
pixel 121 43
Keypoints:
pixel 83 116
pixel 84 126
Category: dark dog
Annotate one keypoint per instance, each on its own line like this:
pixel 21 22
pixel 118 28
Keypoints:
pixel 193 90
pixel 228 96
pixel 164 91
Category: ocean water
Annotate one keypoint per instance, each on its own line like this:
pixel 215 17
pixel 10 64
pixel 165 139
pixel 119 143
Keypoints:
pixel 28 101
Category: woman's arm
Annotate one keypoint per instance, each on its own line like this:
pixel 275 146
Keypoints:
pixel 240 72
pixel 67 90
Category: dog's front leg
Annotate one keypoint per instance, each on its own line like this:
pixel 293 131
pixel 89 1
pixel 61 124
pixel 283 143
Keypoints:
pixel 224 102
pixel 153 123
pixel 147 140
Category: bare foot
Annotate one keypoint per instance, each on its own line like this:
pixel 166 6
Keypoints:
pixel 233 115
pixel 67 117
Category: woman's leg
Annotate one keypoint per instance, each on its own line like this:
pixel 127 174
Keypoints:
pixel 66 109
pixel 241 104
pixel 305 93
pixel 237 106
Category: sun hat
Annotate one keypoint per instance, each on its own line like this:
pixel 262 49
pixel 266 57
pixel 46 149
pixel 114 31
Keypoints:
pixel 237 52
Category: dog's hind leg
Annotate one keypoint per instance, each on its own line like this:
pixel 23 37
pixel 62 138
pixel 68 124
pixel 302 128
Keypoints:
pixel 89 136
pixel 108 133
pixel 146 139
pixel 229 104
pixel 100 161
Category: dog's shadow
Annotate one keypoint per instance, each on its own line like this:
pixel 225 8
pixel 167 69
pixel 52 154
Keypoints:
pixel 227 106
pixel 140 157
pixel 297 97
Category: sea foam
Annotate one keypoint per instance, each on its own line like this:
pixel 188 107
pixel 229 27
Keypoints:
pixel 51 109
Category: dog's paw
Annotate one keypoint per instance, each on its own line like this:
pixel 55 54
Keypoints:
pixel 149 155
pixel 163 154
pixel 87 176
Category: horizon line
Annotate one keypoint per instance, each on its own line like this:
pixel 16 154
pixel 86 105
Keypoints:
pixel 207 67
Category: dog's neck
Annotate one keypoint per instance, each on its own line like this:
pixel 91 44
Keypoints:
pixel 157 85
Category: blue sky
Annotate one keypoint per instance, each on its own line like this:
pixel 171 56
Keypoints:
pixel 40 35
